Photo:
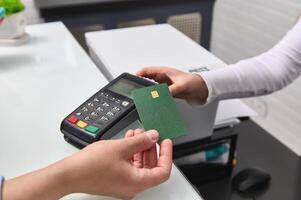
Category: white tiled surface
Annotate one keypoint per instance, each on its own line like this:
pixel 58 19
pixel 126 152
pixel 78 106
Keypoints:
pixel 243 29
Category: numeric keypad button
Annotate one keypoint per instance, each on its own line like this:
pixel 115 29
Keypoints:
pixel 88 119
pixel 84 109
pixel 125 103
pixel 94 114
pixel 90 104
pixel 78 113
pixel 96 100
pixel 110 114
pixel 105 119
pixel 99 109
pixel 115 109
pixel 105 104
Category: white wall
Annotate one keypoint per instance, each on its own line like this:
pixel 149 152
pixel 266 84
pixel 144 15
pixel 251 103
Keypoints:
pixel 245 28
pixel 249 27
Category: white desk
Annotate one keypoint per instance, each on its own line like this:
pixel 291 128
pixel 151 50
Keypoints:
pixel 130 49
pixel 40 83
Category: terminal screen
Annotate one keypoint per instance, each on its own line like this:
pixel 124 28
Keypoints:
pixel 125 87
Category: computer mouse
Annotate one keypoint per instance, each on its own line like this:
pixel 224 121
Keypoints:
pixel 250 180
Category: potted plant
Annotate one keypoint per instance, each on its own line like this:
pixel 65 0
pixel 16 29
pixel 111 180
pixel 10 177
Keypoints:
pixel 12 22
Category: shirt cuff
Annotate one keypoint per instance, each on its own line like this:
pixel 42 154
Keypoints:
pixel 1 186
pixel 206 76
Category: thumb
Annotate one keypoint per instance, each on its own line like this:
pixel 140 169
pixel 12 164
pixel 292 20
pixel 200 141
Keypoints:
pixel 139 143
pixel 175 89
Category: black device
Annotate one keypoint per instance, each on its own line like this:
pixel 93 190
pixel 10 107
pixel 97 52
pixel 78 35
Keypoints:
pixel 105 113
pixel 203 172
pixel 250 180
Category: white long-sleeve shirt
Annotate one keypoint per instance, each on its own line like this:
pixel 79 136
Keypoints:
pixel 260 75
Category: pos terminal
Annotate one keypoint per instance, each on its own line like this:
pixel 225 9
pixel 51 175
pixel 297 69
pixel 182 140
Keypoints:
pixel 105 113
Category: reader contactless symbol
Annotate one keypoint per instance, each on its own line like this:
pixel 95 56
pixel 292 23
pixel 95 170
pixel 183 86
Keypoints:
pixel 155 94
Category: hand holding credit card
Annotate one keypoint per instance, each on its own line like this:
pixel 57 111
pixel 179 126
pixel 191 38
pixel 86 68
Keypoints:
pixel 157 110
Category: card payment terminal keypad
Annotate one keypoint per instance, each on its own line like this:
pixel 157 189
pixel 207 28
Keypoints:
pixel 96 113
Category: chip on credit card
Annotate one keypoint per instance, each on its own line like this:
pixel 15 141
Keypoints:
pixel 157 110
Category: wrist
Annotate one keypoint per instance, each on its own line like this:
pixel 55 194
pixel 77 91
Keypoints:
pixel 202 88
pixel 56 182
pixel 48 183
pixel 72 172
pixel 61 174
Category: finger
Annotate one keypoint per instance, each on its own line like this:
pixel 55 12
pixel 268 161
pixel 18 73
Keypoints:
pixel 149 71
pixel 175 90
pixel 161 172
pixel 163 78
pixel 159 74
pixel 138 157
pixel 132 145
pixel 150 157
pixel 138 130
pixel 165 156
pixel 152 72
pixel 129 133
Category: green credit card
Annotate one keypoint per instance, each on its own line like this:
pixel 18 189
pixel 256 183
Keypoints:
pixel 157 110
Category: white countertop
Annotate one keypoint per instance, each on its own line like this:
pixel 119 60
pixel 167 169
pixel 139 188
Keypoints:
pixel 40 83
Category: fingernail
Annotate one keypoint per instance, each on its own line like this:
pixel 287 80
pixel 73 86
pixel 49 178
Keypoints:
pixel 153 135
